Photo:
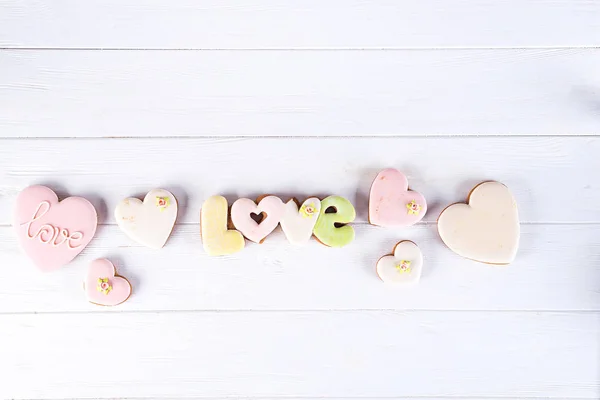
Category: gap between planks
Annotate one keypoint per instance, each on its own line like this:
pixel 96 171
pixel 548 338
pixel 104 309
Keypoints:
pixel 107 311
pixel 328 137
pixel 341 48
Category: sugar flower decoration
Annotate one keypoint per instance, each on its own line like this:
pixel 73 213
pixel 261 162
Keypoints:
pixel 103 286
pixel 308 210
pixel 162 203
pixel 413 208
pixel 403 266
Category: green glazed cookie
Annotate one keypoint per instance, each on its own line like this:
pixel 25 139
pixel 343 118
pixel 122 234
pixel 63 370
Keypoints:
pixel 326 230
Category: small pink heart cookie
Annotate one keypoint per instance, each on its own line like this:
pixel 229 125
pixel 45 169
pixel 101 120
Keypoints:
pixel 272 210
pixel 102 285
pixel 53 233
pixel 391 204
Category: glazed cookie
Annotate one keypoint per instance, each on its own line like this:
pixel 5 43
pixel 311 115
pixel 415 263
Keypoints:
pixel 272 210
pixel 403 267
pixel 330 228
pixel 298 223
pixel 50 232
pixel 217 239
pixel 149 222
pixel 486 229
pixel 103 286
pixel 391 204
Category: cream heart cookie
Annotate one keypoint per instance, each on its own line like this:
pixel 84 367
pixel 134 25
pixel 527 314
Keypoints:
pixel 53 233
pixel 271 208
pixel 149 222
pixel 298 223
pixel 404 266
pixel 103 286
pixel 486 229
pixel 392 204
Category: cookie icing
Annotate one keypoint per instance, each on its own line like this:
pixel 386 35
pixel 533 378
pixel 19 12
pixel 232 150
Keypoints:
pixel 298 223
pixel 391 204
pixel 486 229
pixel 325 229
pixel 50 232
pixel 103 287
pixel 403 267
pixel 148 222
pixel 272 209
pixel 217 240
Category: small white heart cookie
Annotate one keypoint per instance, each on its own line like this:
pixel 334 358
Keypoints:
pixel 404 267
pixel 486 229
pixel 149 222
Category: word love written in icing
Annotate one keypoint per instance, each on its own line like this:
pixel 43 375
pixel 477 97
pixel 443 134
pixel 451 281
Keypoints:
pixel 325 219
pixel 50 234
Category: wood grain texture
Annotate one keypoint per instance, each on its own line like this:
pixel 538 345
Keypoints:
pixel 251 24
pixel 352 354
pixel 48 93
pixel 551 177
pixel 109 99
pixel 557 268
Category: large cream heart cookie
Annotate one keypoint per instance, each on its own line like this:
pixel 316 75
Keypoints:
pixel 486 229
pixel 149 222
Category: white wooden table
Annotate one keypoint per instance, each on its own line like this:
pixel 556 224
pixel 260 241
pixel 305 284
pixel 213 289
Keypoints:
pixel 109 99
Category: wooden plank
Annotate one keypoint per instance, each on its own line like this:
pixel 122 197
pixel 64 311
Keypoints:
pixel 557 268
pixel 313 354
pixel 549 176
pixel 49 93
pixel 250 24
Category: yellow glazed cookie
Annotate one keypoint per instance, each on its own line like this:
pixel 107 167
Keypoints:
pixel 216 238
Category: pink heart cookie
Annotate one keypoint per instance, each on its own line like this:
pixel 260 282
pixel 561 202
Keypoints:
pixel 53 233
pixel 103 286
pixel 391 204
pixel 272 209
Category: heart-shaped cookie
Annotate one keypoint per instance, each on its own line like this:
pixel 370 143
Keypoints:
pixel 103 286
pixel 53 233
pixel 391 204
pixel 404 266
pixel 486 229
pixel 149 222
pixel 217 240
pixel 298 223
pixel 270 207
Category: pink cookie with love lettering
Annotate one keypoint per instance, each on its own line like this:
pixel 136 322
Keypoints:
pixel 270 209
pixel 103 286
pixel 391 204
pixel 53 233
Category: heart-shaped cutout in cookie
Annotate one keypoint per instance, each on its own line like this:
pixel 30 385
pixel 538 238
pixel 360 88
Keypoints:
pixel 272 209
pixel 53 233
pixel 404 266
pixel 149 222
pixel 391 204
pixel 103 286
pixel 298 222
pixel 486 229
